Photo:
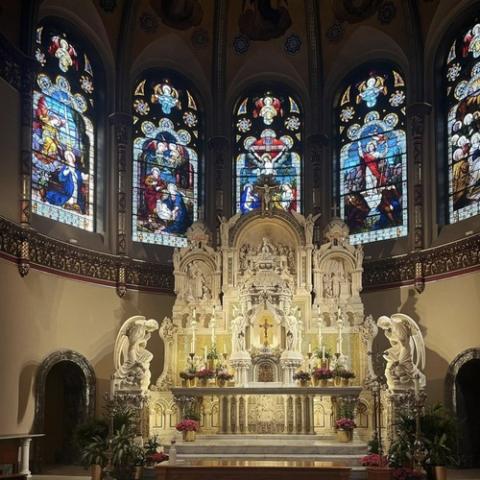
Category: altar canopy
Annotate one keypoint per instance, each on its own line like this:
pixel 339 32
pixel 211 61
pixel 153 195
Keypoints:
pixel 265 305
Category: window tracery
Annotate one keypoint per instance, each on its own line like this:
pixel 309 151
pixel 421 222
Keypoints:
pixel 63 130
pixel 165 161
pixel 462 75
pixel 268 129
pixel 371 152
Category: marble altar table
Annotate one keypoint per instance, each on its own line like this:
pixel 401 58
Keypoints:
pixel 253 470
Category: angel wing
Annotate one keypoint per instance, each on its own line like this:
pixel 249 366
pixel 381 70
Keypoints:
pixel 121 342
pixel 417 343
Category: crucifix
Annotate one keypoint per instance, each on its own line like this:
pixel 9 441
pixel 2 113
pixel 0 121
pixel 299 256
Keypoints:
pixel 265 327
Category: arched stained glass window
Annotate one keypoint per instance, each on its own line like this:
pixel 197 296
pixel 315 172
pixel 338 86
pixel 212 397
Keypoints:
pixel 372 159
pixel 462 73
pixel 165 160
pixel 268 145
pixel 63 130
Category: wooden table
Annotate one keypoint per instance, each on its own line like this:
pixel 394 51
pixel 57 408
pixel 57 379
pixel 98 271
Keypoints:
pixel 252 470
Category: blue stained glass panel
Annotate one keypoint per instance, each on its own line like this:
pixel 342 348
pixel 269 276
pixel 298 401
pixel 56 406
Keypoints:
pixel 372 173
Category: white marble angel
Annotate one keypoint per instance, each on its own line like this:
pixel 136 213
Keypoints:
pixel 406 356
pixel 131 357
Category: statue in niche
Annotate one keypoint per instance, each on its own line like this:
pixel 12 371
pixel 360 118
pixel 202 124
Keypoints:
pixel 406 356
pixel 224 228
pixel 238 330
pixel 197 285
pixel 266 248
pixel 131 357
pixel 327 286
pixel 244 257
pixel 291 326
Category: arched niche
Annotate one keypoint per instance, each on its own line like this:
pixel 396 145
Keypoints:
pixel 86 407
pixel 279 227
pixel 41 378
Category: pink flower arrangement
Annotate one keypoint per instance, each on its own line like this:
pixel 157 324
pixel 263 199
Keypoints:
pixel 345 424
pixel 224 375
pixel 374 460
pixel 322 374
pixel 205 373
pixel 187 425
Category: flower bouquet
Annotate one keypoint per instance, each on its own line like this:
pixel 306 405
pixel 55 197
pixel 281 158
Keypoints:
pixel 302 377
pixel 223 377
pixel 377 467
pixel 157 457
pixel 323 375
pixel 345 427
pixel 204 375
pixel 346 375
pixel 188 377
pixel 188 428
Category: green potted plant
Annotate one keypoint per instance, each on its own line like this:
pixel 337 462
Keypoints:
pixel 212 356
pixel 123 450
pixel 93 455
pixel 439 435
pixel 139 458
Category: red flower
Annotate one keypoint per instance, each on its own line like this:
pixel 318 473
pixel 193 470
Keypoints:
pixel 187 425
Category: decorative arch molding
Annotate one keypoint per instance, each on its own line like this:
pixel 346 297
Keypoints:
pixel 452 372
pixel 41 378
pixel 278 217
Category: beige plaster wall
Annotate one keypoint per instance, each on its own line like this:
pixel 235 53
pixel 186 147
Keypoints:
pixel 42 313
pixel 448 312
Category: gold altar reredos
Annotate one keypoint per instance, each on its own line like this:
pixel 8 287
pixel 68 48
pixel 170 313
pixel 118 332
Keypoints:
pixel 267 271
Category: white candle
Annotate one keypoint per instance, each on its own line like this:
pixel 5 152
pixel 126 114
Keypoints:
pixel 323 352
pixel 193 339
pixel 224 348
pixel 192 347
pixel 205 352
pixel 194 313
pixel 309 348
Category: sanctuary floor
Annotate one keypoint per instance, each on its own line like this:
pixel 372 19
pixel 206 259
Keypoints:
pixel 75 472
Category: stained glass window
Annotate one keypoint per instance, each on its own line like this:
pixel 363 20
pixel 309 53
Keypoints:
pixel 268 138
pixel 63 130
pixel 463 124
pixel 165 161
pixel 372 158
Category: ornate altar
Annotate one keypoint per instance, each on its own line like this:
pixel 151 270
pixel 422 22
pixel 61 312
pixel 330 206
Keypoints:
pixel 264 305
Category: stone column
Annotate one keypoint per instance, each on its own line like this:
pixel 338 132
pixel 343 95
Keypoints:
pixel 416 117
pixel 237 414
pixel 25 457
pixel 245 413
pixel 303 412
pixel 229 414
pixel 219 148
pixel 221 410
pixel 121 123
pixel 311 414
pixel 294 413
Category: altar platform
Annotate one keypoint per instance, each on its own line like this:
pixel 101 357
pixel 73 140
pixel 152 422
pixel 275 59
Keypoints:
pixel 272 448
pixel 253 469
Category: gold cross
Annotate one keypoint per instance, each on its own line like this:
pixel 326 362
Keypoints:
pixel 265 327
